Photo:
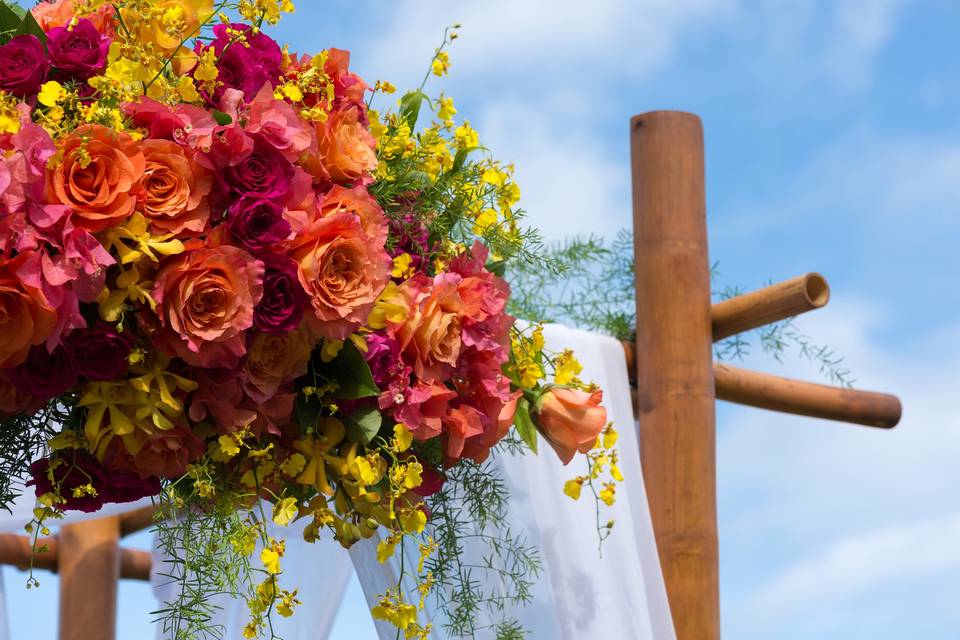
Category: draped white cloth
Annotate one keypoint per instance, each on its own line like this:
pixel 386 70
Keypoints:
pixel 319 572
pixel 579 595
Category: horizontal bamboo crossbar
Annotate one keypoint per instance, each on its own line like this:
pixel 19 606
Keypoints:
pixel 775 393
pixel 15 550
pixel 770 304
pixel 771 392
pixel 136 520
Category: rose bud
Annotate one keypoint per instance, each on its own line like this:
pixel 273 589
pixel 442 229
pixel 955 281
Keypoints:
pixel 23 66
pixel 571 420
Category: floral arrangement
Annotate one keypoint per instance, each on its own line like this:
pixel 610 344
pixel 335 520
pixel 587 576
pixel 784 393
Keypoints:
pixel 228 283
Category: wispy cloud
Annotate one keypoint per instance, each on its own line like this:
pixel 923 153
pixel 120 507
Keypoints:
pixel 863 562
pixel 818 516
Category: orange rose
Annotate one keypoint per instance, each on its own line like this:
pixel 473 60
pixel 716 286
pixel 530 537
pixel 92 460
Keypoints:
pixel 346 149
pixel 271 360
pixel 430 337
pixel 571 420
pixel 205 301
pixel 96 175
pixel 26 319
pixel 342 270
pixel 359 202
pixel 57 14
pixel 174 188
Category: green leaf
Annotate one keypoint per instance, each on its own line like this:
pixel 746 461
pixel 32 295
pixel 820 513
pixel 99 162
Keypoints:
pixel 222 118
pixel 30 26
pixel 497 267
pixel 524 424
pixel 363 424
pixel 351 371
pixel 308 410
pixel 460 159
pixel 410 105
pixel 9 18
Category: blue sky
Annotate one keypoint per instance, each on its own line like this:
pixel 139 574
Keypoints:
pixel 833 144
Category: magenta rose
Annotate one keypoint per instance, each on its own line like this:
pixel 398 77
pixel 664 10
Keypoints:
pixel 124 486
pixel 73 469
pixel 80 52
pixel 246 66
pixel 264 173
pixel 281 308
pixel 257 223
pixel 45 375
pixel 383 358
pixel 23 66
pixel 101 352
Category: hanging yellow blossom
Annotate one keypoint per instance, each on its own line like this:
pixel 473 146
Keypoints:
pixel 441 64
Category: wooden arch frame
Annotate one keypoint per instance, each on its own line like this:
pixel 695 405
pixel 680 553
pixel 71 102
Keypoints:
pixel 675 400
pixel 678 382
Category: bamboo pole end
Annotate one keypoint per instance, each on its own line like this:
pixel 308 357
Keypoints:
pixel 816 290
pixel 640 119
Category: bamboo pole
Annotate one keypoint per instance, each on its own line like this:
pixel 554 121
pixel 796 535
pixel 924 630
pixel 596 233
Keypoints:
pixel 15 551
pixel 770 304
pixel 136 520
pixel 674 341
pixel 135 564
pixel 89 567
pixel 806 399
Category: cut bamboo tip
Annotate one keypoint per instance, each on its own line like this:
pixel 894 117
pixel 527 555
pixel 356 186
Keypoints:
pixel 770 304
pixel 805 398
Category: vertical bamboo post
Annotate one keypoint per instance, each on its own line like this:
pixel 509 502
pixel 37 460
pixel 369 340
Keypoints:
pixel 89 565
pixel 674 363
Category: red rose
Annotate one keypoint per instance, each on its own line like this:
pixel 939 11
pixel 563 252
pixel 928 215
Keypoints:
pixel 23 66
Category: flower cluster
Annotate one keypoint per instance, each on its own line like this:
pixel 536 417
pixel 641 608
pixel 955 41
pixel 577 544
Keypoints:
pixel 244 284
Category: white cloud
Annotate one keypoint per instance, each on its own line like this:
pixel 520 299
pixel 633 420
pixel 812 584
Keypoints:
pixel 863 562
pixel 873 182
pixel 825 513
pixel 571 184
pixel 570 41
pixel 860 29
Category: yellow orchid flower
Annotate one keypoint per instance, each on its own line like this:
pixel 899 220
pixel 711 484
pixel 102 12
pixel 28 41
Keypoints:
pixel 330 432
pixel 133 241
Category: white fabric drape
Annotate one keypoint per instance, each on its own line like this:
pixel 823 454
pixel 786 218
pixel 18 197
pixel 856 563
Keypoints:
pixel 618 595
pixel 621 595
pixel 319 572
